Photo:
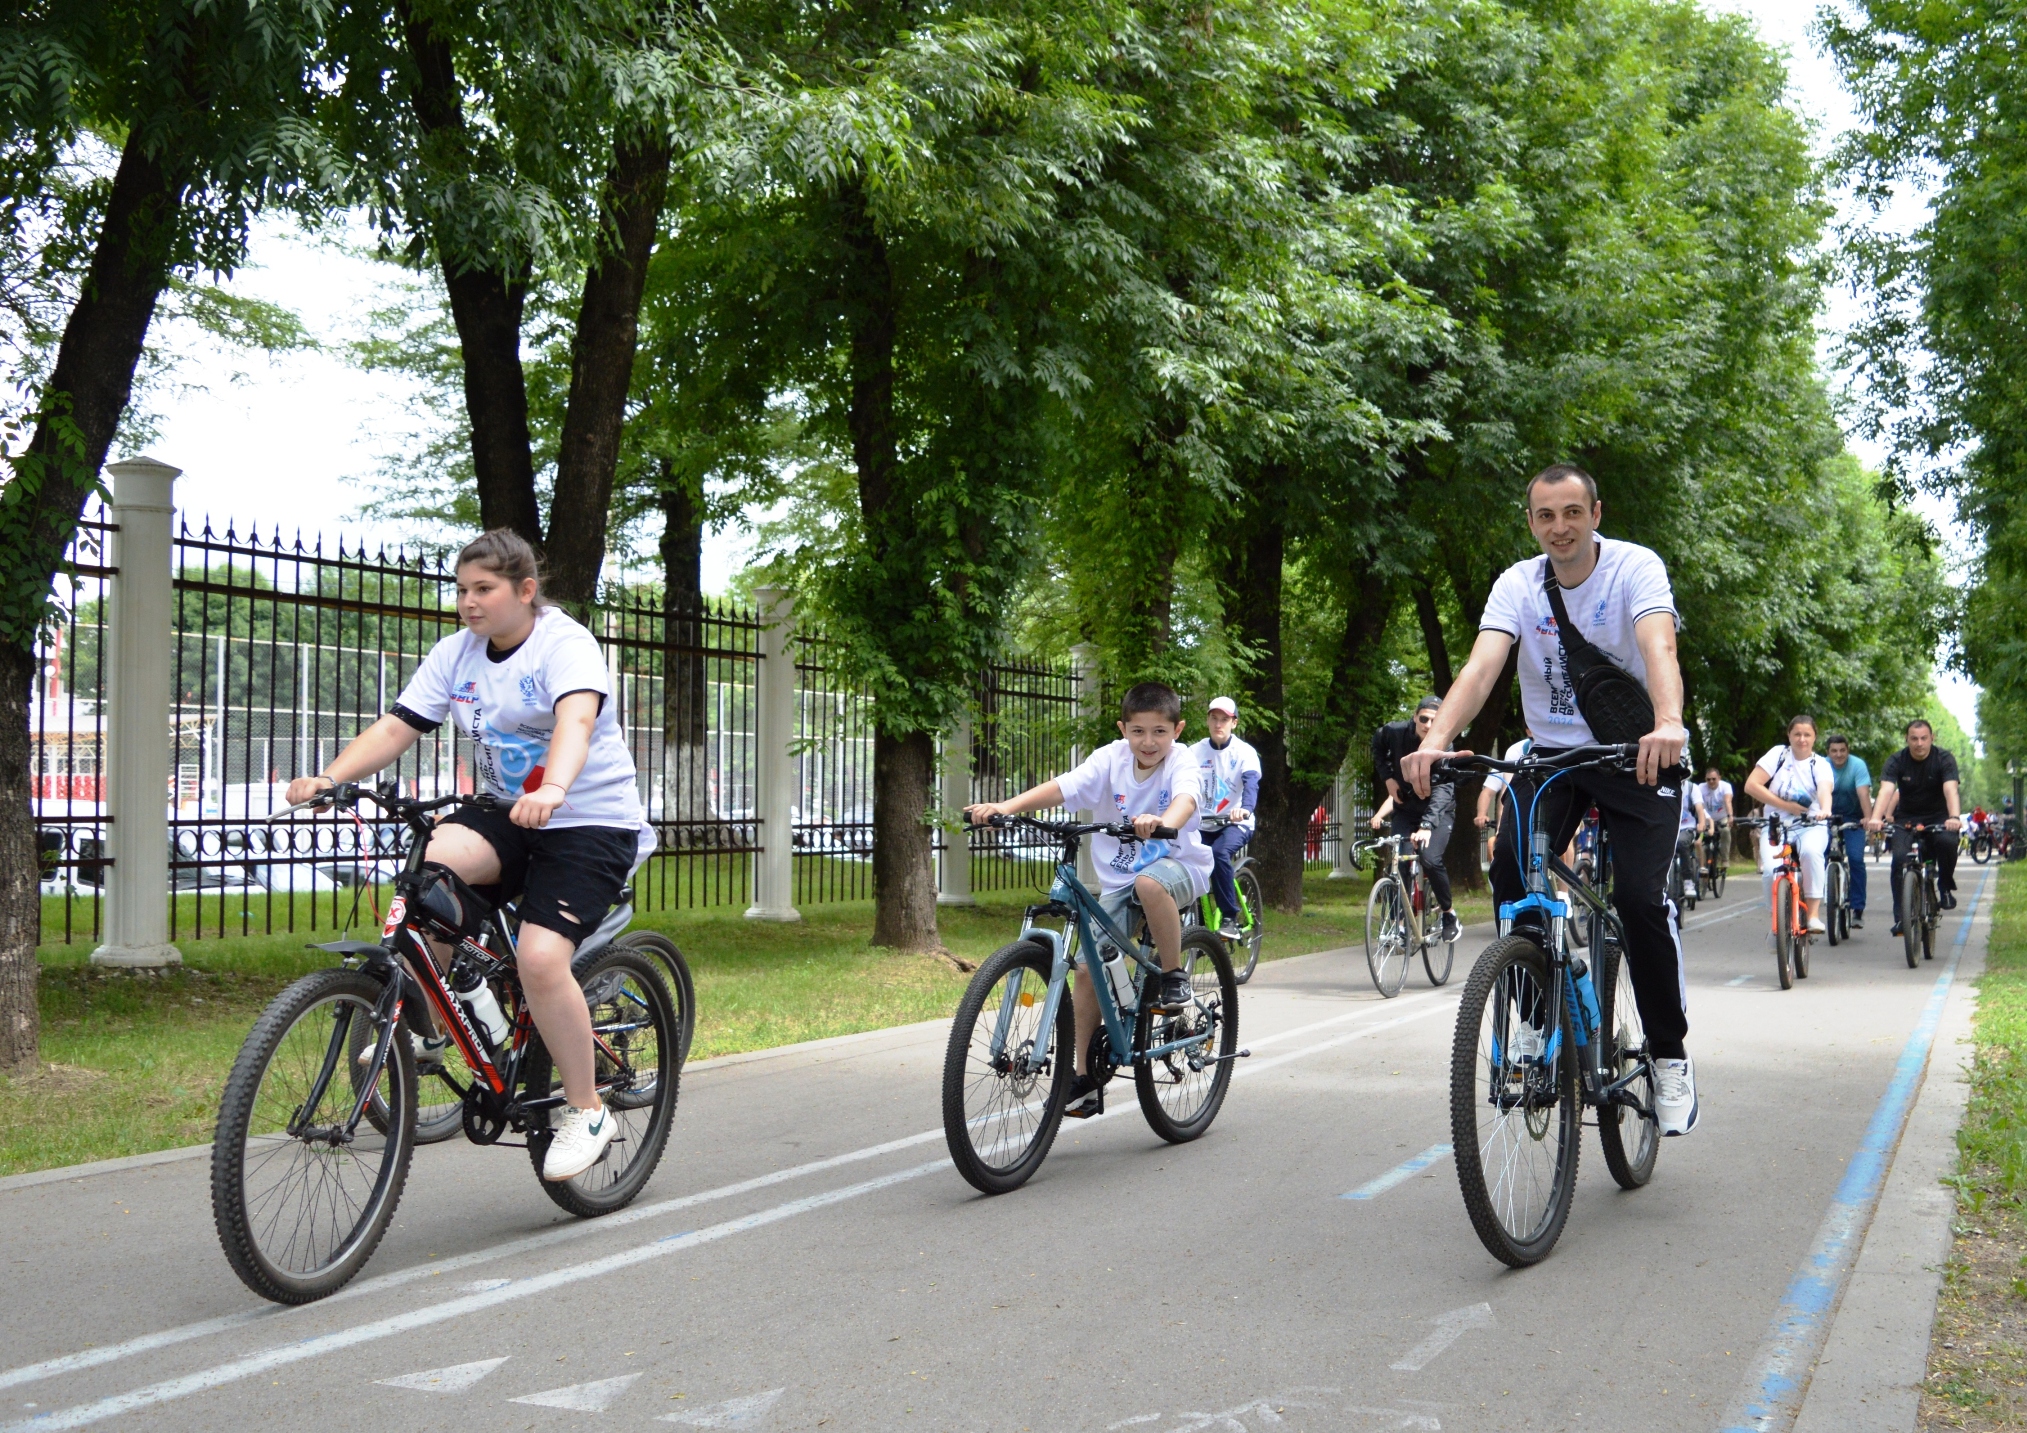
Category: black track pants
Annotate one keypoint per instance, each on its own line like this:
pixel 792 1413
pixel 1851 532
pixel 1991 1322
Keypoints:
pixel 1406 823
pixel 1642 822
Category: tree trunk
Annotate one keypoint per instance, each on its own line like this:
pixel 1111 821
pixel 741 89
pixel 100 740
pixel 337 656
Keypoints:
pixel 1255 610
pixel 1432 638
pixel 904 762
pixel 686 765
pixel 486 305
pixel 87 393
pixel 601 367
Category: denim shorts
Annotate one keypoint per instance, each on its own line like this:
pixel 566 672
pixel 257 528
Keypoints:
pixel 1175 878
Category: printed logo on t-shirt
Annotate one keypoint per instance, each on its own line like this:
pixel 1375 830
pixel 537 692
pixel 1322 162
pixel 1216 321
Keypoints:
pixel 1130 856
pixel 466 692
pixel 528 689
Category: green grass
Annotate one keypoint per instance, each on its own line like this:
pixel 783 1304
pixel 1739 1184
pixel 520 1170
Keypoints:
pixel 1993 1141
pixel 137 1060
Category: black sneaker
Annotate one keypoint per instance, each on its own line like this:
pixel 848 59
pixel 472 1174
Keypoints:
pixel 1452 928
pixel 1087 1098
pixel 1895 930
pixel 1858 920
pixel 1948 901
pixel 1176 993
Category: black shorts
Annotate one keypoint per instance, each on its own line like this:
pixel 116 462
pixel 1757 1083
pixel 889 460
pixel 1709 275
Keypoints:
pixel 567 880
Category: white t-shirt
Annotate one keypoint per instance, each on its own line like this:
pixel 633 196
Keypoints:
pixel 508 710
pixel 1627 584
pixel 1796 781
pixel 1495 781
pixel 1105 786
pixel 1711 803
pixel 1224 775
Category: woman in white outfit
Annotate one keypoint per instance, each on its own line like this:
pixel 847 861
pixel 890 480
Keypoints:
pixel 1792 781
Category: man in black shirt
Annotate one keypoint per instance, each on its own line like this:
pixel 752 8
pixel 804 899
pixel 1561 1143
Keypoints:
pixel 1426 821
pixel 1919 787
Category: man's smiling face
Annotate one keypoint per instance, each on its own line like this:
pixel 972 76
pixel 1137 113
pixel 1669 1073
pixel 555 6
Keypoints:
pixel 1563 518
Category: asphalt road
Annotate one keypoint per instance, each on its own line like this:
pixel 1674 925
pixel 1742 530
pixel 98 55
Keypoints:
pixel 806 1257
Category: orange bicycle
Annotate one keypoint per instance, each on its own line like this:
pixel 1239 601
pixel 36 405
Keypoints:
pixel 1789 917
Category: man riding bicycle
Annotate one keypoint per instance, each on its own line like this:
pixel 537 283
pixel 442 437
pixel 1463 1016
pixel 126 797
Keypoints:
pixel 1425 820
pixel 1851 804
pixel 1231 781
pixel 1619 599
pixel 1919 786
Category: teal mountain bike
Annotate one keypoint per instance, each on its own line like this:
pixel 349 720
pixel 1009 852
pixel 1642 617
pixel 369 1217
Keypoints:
pixel 1009 1065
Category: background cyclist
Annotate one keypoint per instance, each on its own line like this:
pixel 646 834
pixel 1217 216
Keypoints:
pixel 1231 780
pixel 1713 796
pixel 1618 597
pixel 1851 800
pixel 1792 781
pixel 1919 787
pixel 1426 820
pixel 528 687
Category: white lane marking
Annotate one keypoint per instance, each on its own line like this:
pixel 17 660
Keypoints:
pixel 1255 1067
pixel 480 1286
pixel 1449 1328
pixel 1400 1174
pixel 1738 980
pixel 593 1397
pixel 455 1379
pixel 1706 922
pixel 746 1412
pixel 562 1234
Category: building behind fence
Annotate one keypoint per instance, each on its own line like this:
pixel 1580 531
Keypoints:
pixel 282 651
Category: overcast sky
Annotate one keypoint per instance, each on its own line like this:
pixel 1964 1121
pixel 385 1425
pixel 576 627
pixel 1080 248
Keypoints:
pixel 275 442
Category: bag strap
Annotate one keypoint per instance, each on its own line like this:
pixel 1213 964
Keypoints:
pixel 1555 605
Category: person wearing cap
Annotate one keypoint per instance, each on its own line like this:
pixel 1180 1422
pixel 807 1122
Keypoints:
pixel 1231 780
pixel 1424 819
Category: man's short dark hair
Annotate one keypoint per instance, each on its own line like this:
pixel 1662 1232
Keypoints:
pixel 1713 771
pixel 1556 473
pixel 1835 737
pixel 1156 699
pixel 1918 721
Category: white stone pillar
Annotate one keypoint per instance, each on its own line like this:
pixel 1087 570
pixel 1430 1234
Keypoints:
pixel 953 862
pixel 138 652
pixel 1085 663
pixel 1341 868
pixel 774 760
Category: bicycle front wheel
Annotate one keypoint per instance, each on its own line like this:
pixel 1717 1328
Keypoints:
pixel 1910 915
pixel 636 1051
pixel 301 1203
pixel 1386 936
pixel 1833 902
pixel 1515 1118
pixel 1437 957
pixel 1717 873
pixel 1784 931
pixel 1181 1092
pixel 1981 849
pixel 1631 1138
pixel 1005 1076
pixel 1246 953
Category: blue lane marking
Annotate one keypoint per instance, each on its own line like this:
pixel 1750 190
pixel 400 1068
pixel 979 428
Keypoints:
pixel 1773 1390
pixel 1400 1173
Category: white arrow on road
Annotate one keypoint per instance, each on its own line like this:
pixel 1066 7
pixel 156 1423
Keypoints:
pixel 455 1379
pixel 1449 1328
pixel 747 1412
pixel 582 1397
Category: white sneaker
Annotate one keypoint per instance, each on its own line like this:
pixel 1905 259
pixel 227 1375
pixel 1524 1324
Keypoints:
pixel 579 1142
pixel 428 1053
pixel 1675 1095
pixel 1816 926
pixel 1528 1045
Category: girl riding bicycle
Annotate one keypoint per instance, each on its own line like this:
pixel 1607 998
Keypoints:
pixel 528 687
pixel 1793 782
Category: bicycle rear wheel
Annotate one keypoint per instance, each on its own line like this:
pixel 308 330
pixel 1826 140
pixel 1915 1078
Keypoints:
pixel 1181 1092
pixel 637 1045
pixel 1515 1122
pixel 1784 931
pixel 299 1205
pixel 1631 1138
pixel 1000 1115
pixel 1246 952
pixel 1386 936
pixel 1911 914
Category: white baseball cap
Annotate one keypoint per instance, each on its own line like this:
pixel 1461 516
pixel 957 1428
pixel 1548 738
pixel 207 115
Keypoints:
pixel 1225 705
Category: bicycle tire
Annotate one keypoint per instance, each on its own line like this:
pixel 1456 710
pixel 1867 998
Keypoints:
pixel 1449 949
pixel 619 984
pixel 257 1110
pixel 1804 947
pixel 682 988
pixel 1928 937
pixel 1910 914
pixel 1981 849
pixel 1512 973
pixel 1784 931
pixel 1180 1094
pixel 1246 951
pixel 1843 917
pixel 1833 898
pixel 969 1069
pixel 1631 1161
pixel 1717 876
pixel 1386 936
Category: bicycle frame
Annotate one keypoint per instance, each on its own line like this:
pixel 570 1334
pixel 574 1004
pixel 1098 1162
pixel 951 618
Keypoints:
pixel 1404 864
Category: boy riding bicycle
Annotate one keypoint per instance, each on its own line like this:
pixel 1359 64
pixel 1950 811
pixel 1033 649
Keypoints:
pixel 1146 779
pixel 1230 770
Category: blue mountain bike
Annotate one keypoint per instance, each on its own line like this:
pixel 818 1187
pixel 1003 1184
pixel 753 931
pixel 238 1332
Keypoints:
pixel 1541 1033
pixel 1008 1068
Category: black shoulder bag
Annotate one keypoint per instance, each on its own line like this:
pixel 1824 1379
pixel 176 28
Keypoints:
pixel 1614 704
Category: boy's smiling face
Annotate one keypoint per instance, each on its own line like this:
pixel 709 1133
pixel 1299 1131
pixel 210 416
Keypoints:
pixel 1150 736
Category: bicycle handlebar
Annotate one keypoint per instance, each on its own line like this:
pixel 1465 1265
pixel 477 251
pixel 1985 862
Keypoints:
pixel 343 794
pixel 1618 754
pixel 1120 830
